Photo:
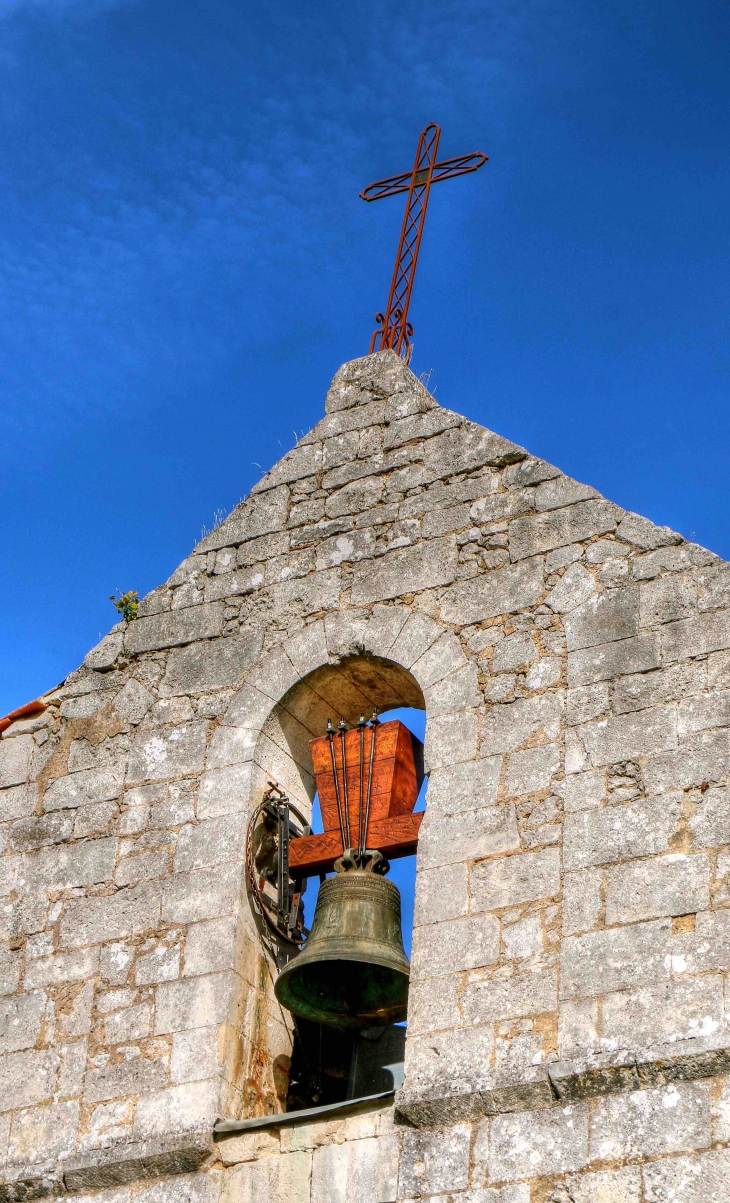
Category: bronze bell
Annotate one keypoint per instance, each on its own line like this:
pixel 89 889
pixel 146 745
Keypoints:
pixel 353 972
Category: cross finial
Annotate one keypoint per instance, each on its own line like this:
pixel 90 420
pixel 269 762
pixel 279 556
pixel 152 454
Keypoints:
pixel 395 330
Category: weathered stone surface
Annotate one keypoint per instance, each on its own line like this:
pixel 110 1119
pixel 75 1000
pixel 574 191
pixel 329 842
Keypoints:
pixel 629 735
pixel 455 945
pixel 501 592
pixel 606 1186
pixel 441 894
pixel 27 1078
pixel 123 1078
pixel 510 880
pixel 574 588
pixel 651 1122
pixel 663 1014
pixel 468 446
pixel 695 636
pixel 86 786
pixel 689 1179
pixel 620 958
pixel 44 1134
pixel 531 770
pixel 405 570
pixel 665 885
pixel 559 491
pixel 507 727
pixel 492 999
pixel 67 866
pixel 530 535
pixel 710 824
pixel 104 655
pixel 468 836
pixel 534 1143
pixel 464 787
pixel 582 901
pixel 609 660
pixel 128 912
pixel 15 760
pixel 604 618
pixel 169 752
pixel 615 833
pixel 434 1162
pixel 201 667
pixel 170 630
pixel 256 516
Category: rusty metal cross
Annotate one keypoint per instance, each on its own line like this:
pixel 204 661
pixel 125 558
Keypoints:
pixel 395 330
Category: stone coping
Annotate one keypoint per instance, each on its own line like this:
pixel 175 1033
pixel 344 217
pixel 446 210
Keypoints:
pixel 229 1127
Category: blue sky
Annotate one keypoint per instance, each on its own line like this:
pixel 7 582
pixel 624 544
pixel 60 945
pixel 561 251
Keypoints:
pixel 184 261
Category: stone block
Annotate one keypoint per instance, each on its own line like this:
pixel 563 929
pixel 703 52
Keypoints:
pixel 224 791
pixel 128 1025
pixel 574 588
pixel 538 1143
pixel 212 842
pixel 636 529
pixel 458 691
pixel 194 1056
pixel 84 787
pixel 441 894
pixel 578 1029
pixel 433 1005
pixel 174 628
pixel 126 913
pixel 507 727
pixel 347 548
pixel 18 801
pixel 202 667
pixel 31 833
pixel 688 1179
pixel 617 959
pixel 714 587
pixel 626 736
pixel 27 1078
pixel 503 591
pixel 405 570
pixel 606 1186
pixel 667 599
pixel 581 791
pixel 602 619
pixel 574 523
pixel 16 756
pixel 20 1021
pixel 650 688
pixel 352 498
pixel 618 833
pixel 454 945
pixel 209 947
pixel 448 839
pixel 43 1134
pixel 145 867
pixel 466 447
pixel 122 1078
pixel 133 702
pixel 649 1123
pixel 355 1170
pixel 654 1015
pixel 511 880
pixel 203 894
pixel 192 1107
pixel 283 1179
pixel 582 902
pixel 257 515
pixel 443 657
pixel 665 885
pixel 95 819
pixel 103 656
pixel 451 739
pixel 614 659
pixel 704 756
pixel 169 752
pixel 433 1163
pixel 447 1063
pixel 586 702
pixel 462 787
pixel 67 866
pixel 497 507
pixel 703 713
pixel 418 633
pixel 446 520
pixel 695 636
pixel 195 1003
pixel 531 770
pixel 11 963
pixel 160 965
pixel 491 999
pixel 706 948
pixel 559 491
pixel 710 824
pixel 61 967
pixel 516 651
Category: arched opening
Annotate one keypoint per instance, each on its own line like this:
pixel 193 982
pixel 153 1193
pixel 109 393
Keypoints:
pixel 304 1063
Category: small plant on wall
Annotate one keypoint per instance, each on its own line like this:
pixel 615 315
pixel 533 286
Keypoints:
pixel 126 604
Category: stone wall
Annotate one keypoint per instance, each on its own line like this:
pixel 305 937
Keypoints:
pixel 568 1034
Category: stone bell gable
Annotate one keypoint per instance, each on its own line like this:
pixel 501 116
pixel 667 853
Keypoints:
pixel 567 1027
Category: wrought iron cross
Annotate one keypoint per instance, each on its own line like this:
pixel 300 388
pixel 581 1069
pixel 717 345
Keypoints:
pixel 395 330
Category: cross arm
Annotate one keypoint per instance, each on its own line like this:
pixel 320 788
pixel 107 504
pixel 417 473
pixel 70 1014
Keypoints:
pixel 442 171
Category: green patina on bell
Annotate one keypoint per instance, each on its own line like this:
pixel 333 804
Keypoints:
pixel 353 972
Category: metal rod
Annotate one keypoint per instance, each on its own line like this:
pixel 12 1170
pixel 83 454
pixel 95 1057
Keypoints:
pixel 331 736
pixel 346 807
pixel 373 728
pixel 360 816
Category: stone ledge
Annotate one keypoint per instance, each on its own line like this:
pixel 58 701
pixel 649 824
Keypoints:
pixel 569 1082
pixel 116 1166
